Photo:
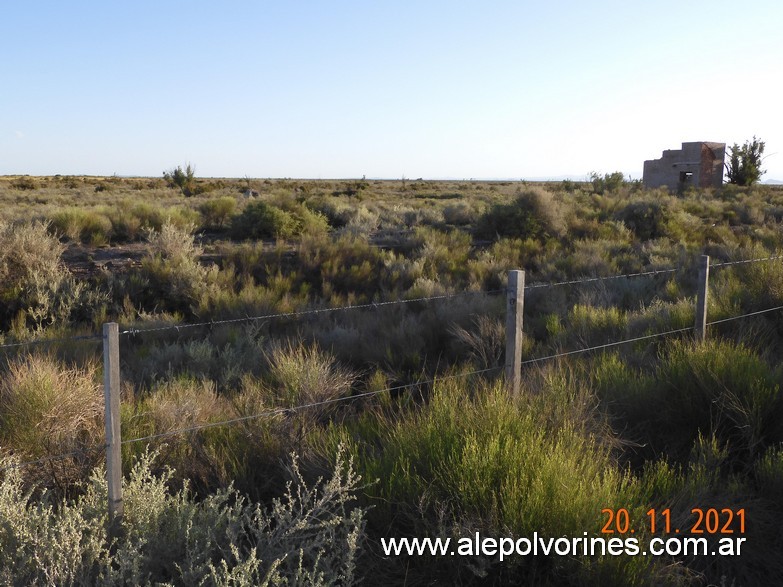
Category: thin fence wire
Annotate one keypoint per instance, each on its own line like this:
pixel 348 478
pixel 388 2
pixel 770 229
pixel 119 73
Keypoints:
pixel 289 410
pixel 293 409
pixel 744 315
pixel 607 345
pixel 50 341
pixel 373 305
pixel 298 314
pixel 57 457
pixel 606 278
pixel 743 261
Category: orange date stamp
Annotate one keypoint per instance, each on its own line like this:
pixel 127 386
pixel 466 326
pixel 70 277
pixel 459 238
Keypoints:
pixel 702 521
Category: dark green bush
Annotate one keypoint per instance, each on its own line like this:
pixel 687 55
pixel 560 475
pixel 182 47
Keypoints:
pixel 533 214
pixel 217 212
pixel 262 220
pixel 645 218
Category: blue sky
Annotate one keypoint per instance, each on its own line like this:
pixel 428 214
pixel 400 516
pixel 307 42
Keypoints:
pixel 489 89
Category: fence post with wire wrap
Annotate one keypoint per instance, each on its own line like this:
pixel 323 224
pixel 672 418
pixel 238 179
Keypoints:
pixel 701 298
pixel 515 299
pixel 111 392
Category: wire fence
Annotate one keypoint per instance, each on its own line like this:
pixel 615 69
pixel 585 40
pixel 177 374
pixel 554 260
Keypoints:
pixel 311 312
pixel 341 400
pixel 379 304
pixel 364 395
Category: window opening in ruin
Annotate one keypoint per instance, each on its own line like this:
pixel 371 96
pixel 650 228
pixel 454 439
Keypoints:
pixel 686 177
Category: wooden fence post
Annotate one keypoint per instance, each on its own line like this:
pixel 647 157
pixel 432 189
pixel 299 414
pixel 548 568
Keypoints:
pixel 111 393
pixel 515 298
pixel 701 299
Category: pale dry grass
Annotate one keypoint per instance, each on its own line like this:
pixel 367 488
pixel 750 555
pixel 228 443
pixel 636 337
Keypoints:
pixel 48 408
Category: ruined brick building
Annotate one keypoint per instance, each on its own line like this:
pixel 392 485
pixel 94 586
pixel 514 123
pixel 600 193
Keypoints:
pixel 697 164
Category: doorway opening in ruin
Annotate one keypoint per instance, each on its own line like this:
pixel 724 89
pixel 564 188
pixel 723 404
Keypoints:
pixel 686 181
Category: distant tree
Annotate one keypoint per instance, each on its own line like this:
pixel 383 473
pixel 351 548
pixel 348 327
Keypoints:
pixel 744 166
pixel 184 180
pixel 608 183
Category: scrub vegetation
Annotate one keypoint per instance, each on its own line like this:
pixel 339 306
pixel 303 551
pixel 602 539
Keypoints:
pixel 303 496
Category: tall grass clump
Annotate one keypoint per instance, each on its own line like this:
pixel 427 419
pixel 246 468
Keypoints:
pixel 48 408
pixel 302 375
pixel 214 455
pixel 86 226
pixel 712 389
pixel 476 460
pixel 309 536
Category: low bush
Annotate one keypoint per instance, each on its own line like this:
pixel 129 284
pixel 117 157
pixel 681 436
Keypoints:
pixel 173 272
pixel 472 460
pixel 309 536
pixel 260 219
pixel 713 389
pixel 216 212
pixel 36 289
pixel 646 218
pixel 535 213
pixel 86 226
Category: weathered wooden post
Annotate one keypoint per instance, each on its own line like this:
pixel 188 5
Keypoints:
pixel 111 392
pixel 701 299
pixel 515 298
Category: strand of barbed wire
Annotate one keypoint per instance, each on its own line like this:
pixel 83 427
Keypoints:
pixel 742 261
pixel 57 457
pixel 745 315
pixel 373 305
pixel 300 313
pixel 45 341
pixel 293 409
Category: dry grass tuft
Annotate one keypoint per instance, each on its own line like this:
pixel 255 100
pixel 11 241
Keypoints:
pixel 47 409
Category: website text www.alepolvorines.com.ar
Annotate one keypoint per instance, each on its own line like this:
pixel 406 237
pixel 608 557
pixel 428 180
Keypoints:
pixel 585 545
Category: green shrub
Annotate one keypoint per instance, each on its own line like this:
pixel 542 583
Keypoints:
pixel 472 460
pixel 262 220
pixel 86 226
pixel 217 212
pixel 714 389
pixel 173 271
pixel 344 266
pixel 645 218
pixel 533 214
pixel 182 179
pixel 610 182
